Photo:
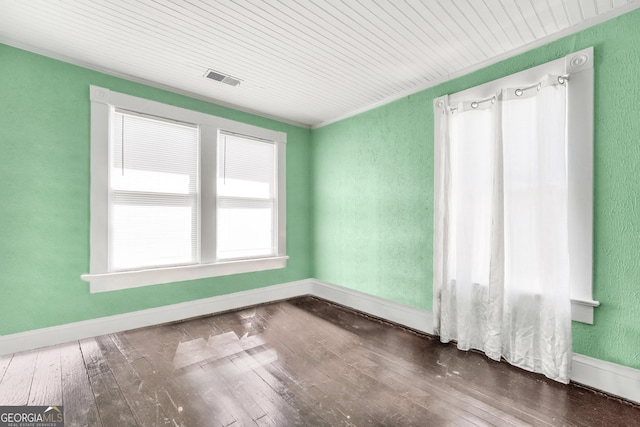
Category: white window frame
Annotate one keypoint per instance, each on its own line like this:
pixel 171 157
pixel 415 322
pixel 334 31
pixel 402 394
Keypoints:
pixel 579 67
pixel 103 101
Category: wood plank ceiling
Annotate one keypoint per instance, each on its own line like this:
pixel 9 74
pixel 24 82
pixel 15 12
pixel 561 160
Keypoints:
pixel 308 62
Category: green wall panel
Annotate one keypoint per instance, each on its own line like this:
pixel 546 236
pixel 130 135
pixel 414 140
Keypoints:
pixel 373 202
pixel 44 196
pixel 373 191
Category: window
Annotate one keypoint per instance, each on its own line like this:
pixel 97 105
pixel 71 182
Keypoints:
pixel 246 197
pixel 578 125
pixel 180 195
pixel 153 193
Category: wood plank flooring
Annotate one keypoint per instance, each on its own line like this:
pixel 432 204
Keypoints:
pixel 302 362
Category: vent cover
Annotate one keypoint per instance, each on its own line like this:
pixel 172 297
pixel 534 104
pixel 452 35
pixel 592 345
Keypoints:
pixel 222 78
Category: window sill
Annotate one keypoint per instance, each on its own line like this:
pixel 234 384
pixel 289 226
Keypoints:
pixel 582 310
pixel 105 282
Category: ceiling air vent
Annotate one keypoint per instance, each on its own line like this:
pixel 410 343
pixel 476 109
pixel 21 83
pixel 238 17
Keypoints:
pixel 223 78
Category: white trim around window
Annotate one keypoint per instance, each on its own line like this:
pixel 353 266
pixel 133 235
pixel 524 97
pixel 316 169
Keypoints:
pixel 101 279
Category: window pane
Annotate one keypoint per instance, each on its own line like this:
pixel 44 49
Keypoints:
pixel 148 235
pixel 246 198
pixel 246 168
pixel 153 155
pixel 245 232
pixel 153 177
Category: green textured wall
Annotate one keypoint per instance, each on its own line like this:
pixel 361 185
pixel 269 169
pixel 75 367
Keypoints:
pixel 373 191
pixel 44 198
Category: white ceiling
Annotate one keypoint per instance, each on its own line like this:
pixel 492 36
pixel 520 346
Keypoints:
pixel 307 62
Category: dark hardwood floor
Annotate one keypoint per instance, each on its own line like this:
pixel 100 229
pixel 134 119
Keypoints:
pixel 300 362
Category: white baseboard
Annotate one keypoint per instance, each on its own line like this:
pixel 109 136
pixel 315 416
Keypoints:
pixel 608 377
pixel 106 325
pixel 404 315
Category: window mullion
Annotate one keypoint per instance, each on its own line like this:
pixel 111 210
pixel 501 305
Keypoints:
pixel 208 180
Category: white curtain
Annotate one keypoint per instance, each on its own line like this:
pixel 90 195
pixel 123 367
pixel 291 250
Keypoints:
pixel 501 263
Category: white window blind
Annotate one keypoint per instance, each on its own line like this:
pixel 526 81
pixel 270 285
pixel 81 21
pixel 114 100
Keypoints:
pixel 246 197
pixel 153 197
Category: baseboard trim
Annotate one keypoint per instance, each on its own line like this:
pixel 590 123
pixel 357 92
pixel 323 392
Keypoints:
pixel 44 337
pixel 605 376
pixel 608 377
pixel 402 314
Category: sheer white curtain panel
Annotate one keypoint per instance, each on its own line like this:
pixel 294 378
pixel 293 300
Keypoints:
pixel 502 277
